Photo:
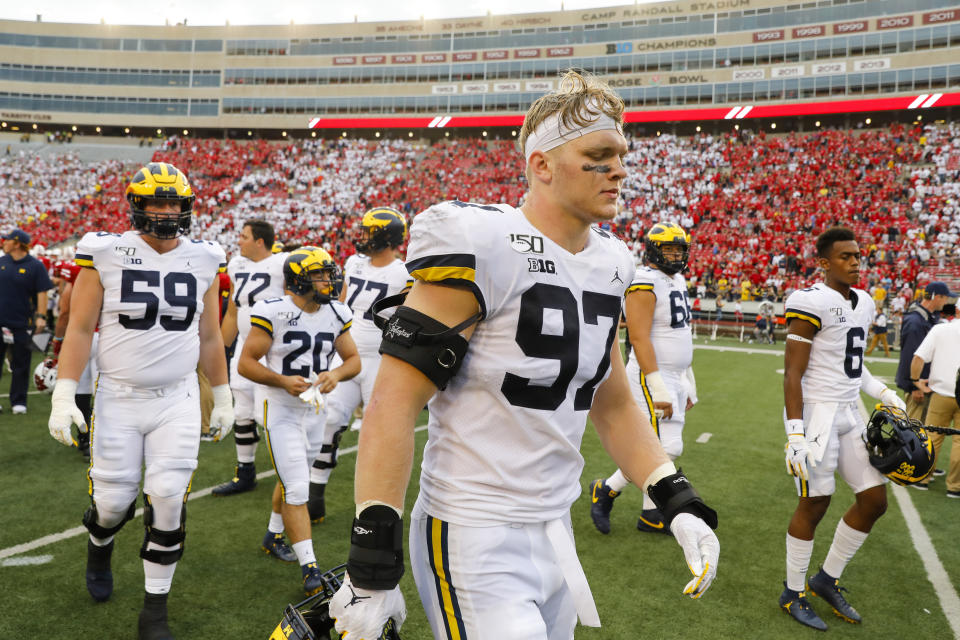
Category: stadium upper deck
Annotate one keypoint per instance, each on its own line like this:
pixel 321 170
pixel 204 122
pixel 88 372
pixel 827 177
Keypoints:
pixel 659 56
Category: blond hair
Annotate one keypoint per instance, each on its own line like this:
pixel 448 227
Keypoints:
pixel 576 99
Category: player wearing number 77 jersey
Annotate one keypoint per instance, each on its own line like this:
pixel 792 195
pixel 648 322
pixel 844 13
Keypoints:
pixel 369 276
pixel 824 373
pixel 536 292
pixel 155 296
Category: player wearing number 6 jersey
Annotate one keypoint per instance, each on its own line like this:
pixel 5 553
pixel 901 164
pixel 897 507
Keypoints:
pixel 827 327
pixel 155 297
pixel 369 277
pixel 255 274
pixel 296 336
pixel 658 325
pixel 536 292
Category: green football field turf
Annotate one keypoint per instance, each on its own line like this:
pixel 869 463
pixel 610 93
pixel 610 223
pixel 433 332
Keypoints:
pixel 227 588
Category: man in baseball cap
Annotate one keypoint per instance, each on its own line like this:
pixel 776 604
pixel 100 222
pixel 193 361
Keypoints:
pixel 24 283
pixel 20 236
pixel 938 288
pixel 916 323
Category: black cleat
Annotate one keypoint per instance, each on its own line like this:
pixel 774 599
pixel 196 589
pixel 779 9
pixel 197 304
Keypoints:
pixel 651 520
pixel 824 586
pixel 315 505
pixel 98 574
pixel 83 444
pixel 794 604
pixel 275 545
pixel 153 618
pixel 245 480
pixel 601 503
pixel 313 581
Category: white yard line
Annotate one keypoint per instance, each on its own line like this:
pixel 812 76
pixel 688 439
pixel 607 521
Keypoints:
pixel 76 531
pixel 936 573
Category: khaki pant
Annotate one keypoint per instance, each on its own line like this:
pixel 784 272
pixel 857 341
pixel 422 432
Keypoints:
pixel 881 338
pixel 915 410
pixel 206 401
pixel 943 411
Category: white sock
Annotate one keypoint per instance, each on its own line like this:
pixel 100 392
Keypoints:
pixel 320 476
pixel 100 542
pixel 846 541
pixel 276 523
pixel 247 452
pixel 157 578
pixel 798 561
pixel 617 481
pixel 304 551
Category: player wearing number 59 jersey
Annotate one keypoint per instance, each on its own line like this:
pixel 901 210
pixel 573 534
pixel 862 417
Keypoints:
pixel 255 274
pixel 154 296
pixel 658 367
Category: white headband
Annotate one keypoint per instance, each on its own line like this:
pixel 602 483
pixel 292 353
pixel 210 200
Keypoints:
pixel 552 132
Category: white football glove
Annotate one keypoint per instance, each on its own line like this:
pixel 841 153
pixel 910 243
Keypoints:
pixel 64 412
pixel 891 398
pixel 221 418
pixel 360 614
pixel 701 548
pixel 798 456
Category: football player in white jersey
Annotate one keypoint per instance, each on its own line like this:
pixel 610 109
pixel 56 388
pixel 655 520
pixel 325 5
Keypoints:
pixel 154 294
pixel 296 337
pixel 537 292
pixel 658 367
pixel 369 276
pixel 255 274
pixel 824 374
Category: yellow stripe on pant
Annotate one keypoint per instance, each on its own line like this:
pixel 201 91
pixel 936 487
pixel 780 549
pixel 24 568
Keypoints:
pixel 440 564
pixel 654 422
pixel 283 489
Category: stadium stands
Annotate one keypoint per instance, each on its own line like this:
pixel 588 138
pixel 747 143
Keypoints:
pixel 747 197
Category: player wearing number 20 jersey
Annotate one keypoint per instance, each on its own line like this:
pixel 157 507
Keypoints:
pixel 543 347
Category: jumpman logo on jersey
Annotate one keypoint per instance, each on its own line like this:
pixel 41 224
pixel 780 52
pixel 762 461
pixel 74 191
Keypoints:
pixel 616 276
pixel 354 598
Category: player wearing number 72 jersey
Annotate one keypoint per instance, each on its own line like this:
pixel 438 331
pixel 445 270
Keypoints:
pixel 256 274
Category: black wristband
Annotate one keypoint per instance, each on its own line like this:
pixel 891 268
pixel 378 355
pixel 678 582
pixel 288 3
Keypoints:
pixel 674 494
pixel 376 548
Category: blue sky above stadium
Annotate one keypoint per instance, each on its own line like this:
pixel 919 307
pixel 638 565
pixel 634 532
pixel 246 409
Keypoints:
pixel 216 12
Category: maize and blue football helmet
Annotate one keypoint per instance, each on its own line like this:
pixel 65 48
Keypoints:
pixel 160 181
pixel 310 619
pixel 381 227
pixel 309 265
pixel 664 234
pixel 898 446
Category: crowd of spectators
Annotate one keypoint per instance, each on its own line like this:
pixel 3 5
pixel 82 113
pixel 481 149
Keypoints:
pixel 752 201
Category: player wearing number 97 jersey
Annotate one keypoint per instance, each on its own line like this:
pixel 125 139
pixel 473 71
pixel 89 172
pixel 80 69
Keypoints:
pixel 509 333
